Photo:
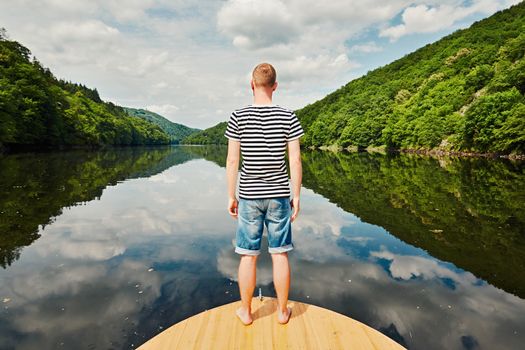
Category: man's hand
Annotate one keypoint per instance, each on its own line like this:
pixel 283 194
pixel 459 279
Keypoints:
pixel 295 206
pixel 232 207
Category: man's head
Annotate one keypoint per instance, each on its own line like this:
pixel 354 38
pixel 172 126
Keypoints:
pixel 264 76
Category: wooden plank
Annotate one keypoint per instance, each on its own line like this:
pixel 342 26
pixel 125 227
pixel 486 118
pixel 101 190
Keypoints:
pixel 313 327
pixel 168 339
pixel 193 330
pixel 263 322
pixel 379 340
pixel 310 327
pixel 349 332
pixel 323 327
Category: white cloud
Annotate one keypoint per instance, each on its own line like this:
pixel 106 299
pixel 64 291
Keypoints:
pixel 304 40
pixel 256 24
pixel 409 266
pixel 38 289
pixel 303 70
pixel 75 43
pixel 143 64
pixel 67 7
pixel 168 110
pixel 127 10
pixel 368 47
pixel 86 31
pixel 427 18
pixel 166 178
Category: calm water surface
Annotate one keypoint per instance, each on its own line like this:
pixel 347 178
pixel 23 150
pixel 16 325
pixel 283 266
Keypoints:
pixel 103 250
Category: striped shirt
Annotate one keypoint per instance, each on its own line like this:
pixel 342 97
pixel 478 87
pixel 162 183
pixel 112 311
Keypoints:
pixel 263 131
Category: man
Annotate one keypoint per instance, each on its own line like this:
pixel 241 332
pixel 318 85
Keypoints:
pixel 262 132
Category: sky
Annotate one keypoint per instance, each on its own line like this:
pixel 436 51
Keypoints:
pixel 191 61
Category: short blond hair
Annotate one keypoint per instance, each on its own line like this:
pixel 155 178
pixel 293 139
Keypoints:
pixel 264 75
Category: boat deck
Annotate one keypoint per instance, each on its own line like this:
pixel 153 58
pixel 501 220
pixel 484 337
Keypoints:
pixel 310 327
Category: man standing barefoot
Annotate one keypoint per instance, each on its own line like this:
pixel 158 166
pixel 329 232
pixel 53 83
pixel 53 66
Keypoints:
pixel 262 132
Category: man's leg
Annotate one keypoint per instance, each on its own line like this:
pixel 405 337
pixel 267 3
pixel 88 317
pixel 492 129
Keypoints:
pixel 281 281
pixel 247 276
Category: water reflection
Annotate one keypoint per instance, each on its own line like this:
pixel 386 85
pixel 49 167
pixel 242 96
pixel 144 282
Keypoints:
pixel 158 248
pixel 101 270
pixel 466 211
pixel 362 271
pixel 34 188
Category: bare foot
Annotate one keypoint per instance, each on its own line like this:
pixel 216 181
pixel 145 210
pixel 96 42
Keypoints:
pixel 244 316
pixel 284 318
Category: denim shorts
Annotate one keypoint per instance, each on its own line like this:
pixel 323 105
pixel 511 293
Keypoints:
pixel 275 213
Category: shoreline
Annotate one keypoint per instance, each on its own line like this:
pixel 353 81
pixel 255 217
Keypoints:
pixel 464 154
pixel 332 148
pixel 428 152
pixel 15 149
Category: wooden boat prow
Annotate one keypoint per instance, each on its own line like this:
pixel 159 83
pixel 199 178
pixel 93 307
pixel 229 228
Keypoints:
pixel 310 327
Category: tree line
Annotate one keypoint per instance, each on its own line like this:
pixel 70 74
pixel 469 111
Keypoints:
pixel 37 109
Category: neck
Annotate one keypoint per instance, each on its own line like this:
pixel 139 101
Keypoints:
pixel 262 96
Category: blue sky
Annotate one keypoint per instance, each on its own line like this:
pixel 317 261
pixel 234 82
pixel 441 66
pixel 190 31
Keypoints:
pixel 191 60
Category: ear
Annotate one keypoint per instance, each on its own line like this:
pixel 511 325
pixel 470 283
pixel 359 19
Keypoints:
pixel 252 84
pixel 274 86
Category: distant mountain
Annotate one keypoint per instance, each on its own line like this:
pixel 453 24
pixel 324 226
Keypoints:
pixel 39 110
pixel 464 92
pixel 210 136
pixel 176 131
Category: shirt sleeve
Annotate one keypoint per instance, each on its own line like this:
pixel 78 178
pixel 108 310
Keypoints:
pixel 296 130
pixel 232 128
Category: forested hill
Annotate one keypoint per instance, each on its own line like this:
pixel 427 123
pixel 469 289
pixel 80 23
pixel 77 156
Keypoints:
pixel 176 131
pixel 464 92
pixel 211 136
pixel 36 109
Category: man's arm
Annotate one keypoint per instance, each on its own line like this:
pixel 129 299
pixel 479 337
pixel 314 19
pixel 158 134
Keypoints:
pixel 296 173
pixel 232 169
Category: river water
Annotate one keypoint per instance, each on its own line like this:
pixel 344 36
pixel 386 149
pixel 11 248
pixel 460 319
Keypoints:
pixel 105 249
